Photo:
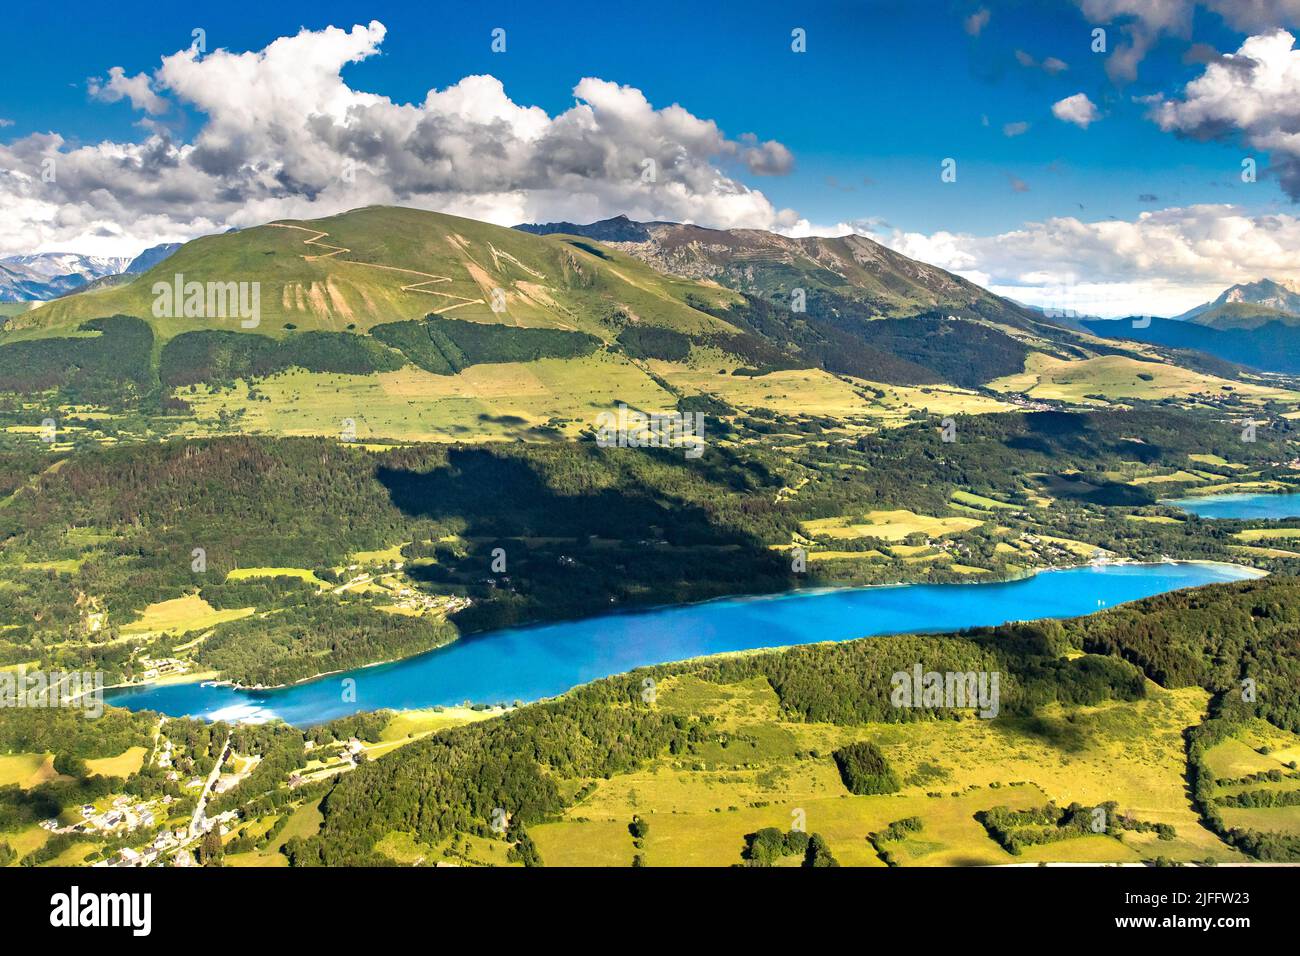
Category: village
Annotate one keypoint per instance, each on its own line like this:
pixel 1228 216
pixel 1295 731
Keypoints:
pixel 166 836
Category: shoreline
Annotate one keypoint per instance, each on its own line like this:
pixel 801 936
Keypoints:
pixel 1248 493
pixel 1248 573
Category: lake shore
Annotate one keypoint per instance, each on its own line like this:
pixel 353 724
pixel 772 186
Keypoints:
pixel 532 663
pixel 212 678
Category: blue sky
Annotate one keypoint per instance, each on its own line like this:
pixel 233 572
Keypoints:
pixel 885 91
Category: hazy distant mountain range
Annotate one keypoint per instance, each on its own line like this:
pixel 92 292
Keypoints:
pixel 1250 305
pixel 151 257
pixel 49 275
pixel 1256 324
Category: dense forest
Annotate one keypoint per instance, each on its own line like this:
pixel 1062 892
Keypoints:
pixel 1214 639
pixel 219 358
pixel 447 346
pixel 109 362
pixel 848 338
pixel 301 640
pixel 582 529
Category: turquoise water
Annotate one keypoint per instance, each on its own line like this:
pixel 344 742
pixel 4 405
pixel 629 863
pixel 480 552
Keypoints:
pixel 1242 506
pixel 534 662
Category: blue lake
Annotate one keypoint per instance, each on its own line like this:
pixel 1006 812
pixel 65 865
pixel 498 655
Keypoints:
pixel 534 662
pixel 1243 506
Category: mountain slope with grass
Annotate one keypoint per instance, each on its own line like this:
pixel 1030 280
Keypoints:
pixel 414 325
pixel 855 307
pixel 383 264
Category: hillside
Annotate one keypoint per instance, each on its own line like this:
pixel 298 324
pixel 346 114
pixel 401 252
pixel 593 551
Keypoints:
pixel 769 265
pixel 286 522
pixel 381 264
pixel 711 770
pixel 397 302
pixel 414 325
pixel 777 758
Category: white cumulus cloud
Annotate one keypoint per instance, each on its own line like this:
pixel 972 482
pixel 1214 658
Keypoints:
pixel 284 136
pixel 1162 263
pixel 119 86
pixel 1254 95
pixel 1076 109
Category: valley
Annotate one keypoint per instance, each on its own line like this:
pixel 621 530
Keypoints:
pixel 373 538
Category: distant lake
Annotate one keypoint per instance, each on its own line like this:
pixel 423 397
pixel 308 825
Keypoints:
pixel 534 662
pixel 1243 506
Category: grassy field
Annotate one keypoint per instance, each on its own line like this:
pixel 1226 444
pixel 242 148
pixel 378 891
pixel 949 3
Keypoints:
pixel 1215 460
pixel 26 770
pixel 1183 477
pixel 981 502
pixel 1267 534
pixel 302 574
pixel 1154 519
pixel 509 400
pixel 411 724
pixel 123 765
pixel 485 402
pixel 1235 758
pixel 817 392
pixel 888 525
pixel 1264 552
pixel 762 770
pixel 25 841
pixel 380 556
pixel 304 821
pixel 1257 747
pixel 1268 819
pixel 182 615
pixel 1120 377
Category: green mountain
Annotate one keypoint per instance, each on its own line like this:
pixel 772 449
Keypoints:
pixel 415 325
pixel 382 264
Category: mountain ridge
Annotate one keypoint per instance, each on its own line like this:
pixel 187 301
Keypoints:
pixel 755 261
pixel 47 275
pixel 41 277
pixel 1249 305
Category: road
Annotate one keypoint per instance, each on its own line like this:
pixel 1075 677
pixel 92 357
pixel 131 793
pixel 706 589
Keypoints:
pixel 197 820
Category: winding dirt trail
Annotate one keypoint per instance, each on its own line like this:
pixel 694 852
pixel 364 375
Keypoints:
pixel 429 277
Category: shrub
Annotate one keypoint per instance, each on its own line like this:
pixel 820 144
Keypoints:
pixel 864 769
